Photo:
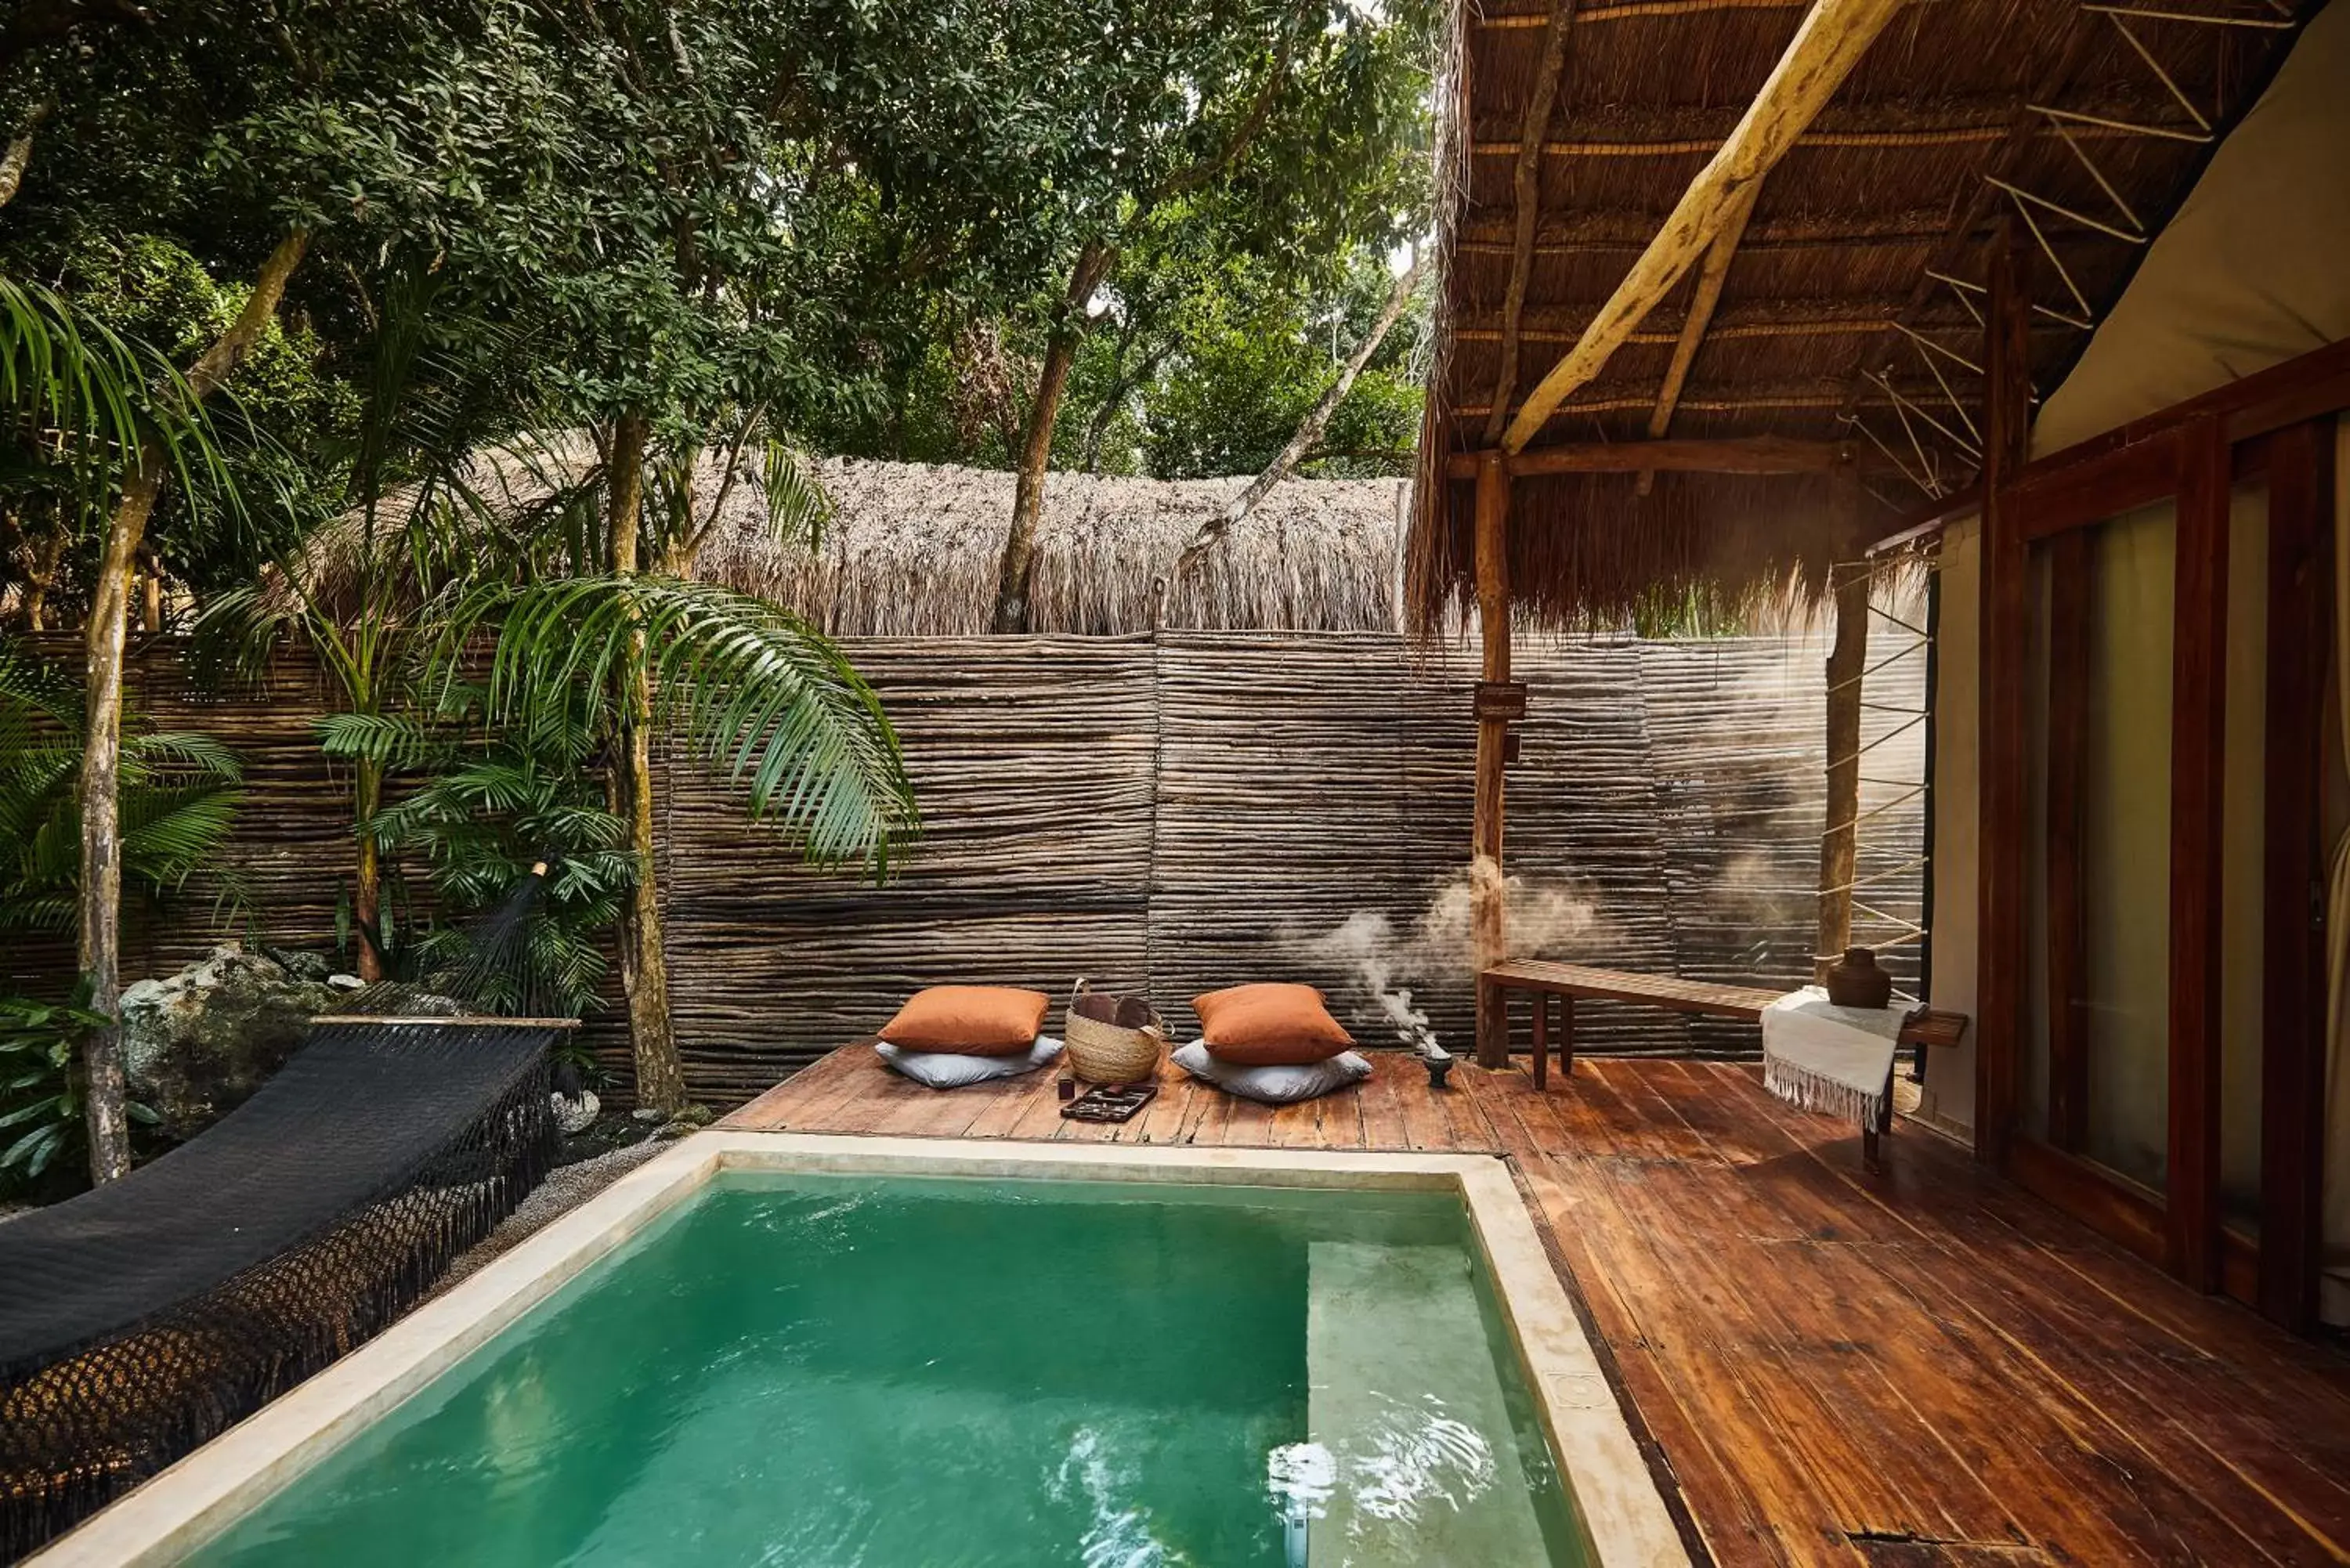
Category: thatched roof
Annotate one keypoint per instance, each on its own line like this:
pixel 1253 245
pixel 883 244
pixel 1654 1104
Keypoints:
pixel 1893 184
pixel 913 550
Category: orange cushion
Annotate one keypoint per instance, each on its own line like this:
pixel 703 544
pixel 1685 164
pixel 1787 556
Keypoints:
pixel 969 1020
pixel 1268 1026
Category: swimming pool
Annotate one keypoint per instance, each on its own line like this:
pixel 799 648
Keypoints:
pixel 766 1348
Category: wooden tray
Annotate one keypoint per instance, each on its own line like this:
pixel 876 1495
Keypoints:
pixel 1108 1103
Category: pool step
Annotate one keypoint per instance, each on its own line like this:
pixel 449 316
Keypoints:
pixel 1406 1401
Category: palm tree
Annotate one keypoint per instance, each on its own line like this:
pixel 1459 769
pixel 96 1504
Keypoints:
pixel 492 548
pixel 358 592
pixel 126 422
pixel 758 694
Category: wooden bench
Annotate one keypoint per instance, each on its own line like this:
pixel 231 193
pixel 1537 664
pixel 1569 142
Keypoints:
pixel 1544 980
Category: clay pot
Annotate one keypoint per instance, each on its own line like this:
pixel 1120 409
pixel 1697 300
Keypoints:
pixel 1854 980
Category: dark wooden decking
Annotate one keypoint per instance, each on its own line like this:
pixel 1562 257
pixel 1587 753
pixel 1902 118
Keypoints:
pixel 1925 1366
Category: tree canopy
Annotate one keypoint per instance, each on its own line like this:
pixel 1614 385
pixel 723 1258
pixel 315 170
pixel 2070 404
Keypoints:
pixel 286 280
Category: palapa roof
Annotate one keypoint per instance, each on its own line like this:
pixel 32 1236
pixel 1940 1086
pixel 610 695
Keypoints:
pixel 912 549
pixel 1834 319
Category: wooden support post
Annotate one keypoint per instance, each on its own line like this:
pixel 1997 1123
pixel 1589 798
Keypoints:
pixel 2292 1010
pixel 2001 951
pixel 1487 916
pixel 1542 1040
pixel 2198 750
pixel 1848 657
pixel 2071 610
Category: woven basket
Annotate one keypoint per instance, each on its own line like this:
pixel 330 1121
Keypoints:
pixel 1101 1052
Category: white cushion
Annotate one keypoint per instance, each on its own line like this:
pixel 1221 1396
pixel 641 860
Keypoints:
pixel 941 1069
pixel 1274 1086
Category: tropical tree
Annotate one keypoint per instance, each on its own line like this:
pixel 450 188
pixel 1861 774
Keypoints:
pixel 254 138
pixel 693 307
pixel 122 422
pixel 438 384
pixel 1290 130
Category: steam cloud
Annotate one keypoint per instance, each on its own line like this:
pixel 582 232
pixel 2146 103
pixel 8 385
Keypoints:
pixel 1547 919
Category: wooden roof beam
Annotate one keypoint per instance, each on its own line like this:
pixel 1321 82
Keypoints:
pixel 1620 395
pixel 1526 185
pixel 1600 231
pixel 1635 129
pixel 1744 454
pixel 1831 41
pixel 1712 273
pixel 1753 318
pixel 1630 10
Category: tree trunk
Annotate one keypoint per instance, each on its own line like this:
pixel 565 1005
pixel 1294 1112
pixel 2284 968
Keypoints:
pixel 151 588
pixel 49 554
pixel 644 968
pixel 100 892
pixel 19 153
pixel 367 889
pixel 105 1091
pixel 1011 583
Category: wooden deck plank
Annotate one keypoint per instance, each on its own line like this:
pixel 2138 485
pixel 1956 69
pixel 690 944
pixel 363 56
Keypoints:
pixel 1914 1485
pixel 1835 1367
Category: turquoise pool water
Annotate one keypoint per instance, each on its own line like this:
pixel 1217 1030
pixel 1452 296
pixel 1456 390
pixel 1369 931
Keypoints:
pixel 831 1370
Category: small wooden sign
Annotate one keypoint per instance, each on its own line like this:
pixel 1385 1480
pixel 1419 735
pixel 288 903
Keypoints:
pixel 1502 699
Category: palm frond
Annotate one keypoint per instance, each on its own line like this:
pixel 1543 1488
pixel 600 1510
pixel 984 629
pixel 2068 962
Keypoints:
pixel 106 395
pixel 180 757
pixel 387 740
pixel 761 697
pixel 167 839
pixel 33 688
pixel 798 505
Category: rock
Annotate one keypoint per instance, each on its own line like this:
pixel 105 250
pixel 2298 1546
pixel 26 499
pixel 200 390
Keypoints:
pixel 300 965
pixel 197 1044
pixel 346 983
pixel 645 1113
pixel 576 1115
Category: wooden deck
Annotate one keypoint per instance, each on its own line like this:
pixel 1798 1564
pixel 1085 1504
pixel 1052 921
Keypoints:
pixel 1925 1366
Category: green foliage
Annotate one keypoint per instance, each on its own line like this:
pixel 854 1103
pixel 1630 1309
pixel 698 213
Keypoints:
pixel 494 803
pixel 79 400
pixel 180 793
pixel 760 695
pixel 1250 359
pixel 41 1123
pixel 1248 165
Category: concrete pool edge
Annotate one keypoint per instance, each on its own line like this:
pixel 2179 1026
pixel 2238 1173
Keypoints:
pixel 1622 1513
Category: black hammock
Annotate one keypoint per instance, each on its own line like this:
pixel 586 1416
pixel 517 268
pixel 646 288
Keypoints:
pixel 141 1319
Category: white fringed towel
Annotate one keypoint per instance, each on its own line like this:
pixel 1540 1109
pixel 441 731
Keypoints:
pixel 1828 1058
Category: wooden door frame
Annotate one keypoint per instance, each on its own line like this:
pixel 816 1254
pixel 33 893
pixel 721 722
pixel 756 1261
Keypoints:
pixel 2279 422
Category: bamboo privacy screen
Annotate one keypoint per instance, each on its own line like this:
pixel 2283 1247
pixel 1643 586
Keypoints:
pixel 1188 812
pixel 1198 810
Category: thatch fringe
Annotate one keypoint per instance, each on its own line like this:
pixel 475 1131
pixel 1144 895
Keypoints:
pixel 1588 552
pixel 913 551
